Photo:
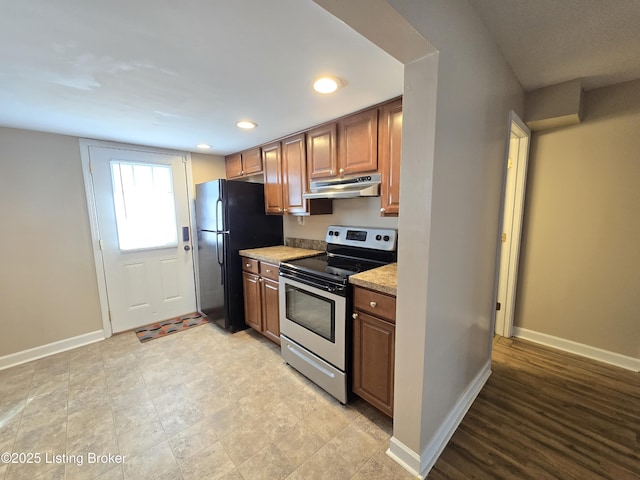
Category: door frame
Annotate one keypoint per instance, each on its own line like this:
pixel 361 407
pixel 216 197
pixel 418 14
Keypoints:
pixel 522 133
pixel 85 144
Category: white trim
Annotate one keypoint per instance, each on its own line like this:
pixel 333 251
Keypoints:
pixel 507 275
pixel 95 234
pixel 31 354
pixel 404 456
pixel 193 228
pixel 588 351
pixel 420 465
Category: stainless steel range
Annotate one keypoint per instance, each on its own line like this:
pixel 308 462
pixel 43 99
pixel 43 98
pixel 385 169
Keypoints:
pixel 315 299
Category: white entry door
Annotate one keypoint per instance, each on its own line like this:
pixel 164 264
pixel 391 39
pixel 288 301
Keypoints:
pixel 142 210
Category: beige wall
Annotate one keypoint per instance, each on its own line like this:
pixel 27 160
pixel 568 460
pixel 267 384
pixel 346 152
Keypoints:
pixel 48 289
pixel 206 167
pixel 580 260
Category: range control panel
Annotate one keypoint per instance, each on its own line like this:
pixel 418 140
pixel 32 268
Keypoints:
pixel 363 237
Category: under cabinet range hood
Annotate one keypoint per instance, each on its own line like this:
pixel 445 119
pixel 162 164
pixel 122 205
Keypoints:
pixel 347 187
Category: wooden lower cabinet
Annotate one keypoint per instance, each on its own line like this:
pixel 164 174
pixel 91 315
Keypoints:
pixel 252 305
pixel 261 298
pixel 374 339
pixel 270 292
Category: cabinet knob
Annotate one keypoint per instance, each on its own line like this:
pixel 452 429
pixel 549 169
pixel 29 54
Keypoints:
pixel 260 280
pixel 268 270
pixel 242 172
pixel 372 304
pixel 383 210
pixel 355 315
pixel 284 210
pixel 342 170
pixel 331 172
pixel 248 265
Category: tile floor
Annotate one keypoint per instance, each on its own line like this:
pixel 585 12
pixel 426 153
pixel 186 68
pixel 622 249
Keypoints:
pixel 200 404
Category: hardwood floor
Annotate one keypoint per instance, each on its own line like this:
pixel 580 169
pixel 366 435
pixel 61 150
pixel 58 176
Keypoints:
pixel 546 414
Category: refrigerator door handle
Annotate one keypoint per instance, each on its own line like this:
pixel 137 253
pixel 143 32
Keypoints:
pixel 219 257
pixel 219 213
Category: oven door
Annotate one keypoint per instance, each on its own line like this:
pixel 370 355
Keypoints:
pixel 315 319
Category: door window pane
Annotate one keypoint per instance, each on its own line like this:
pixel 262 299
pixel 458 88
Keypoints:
pixel 144 205
pixel 311 311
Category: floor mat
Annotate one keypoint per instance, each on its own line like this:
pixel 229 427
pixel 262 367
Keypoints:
pixel 167 327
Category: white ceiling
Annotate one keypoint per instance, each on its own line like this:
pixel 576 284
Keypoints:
pixel 552 41
pixel 175 74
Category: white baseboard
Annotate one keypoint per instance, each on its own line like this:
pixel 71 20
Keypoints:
pixel 31 354
pixel 588 351
pixel 404 456
pixel 420 465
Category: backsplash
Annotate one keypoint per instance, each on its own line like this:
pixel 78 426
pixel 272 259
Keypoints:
pixel 355 212
pixel 305 243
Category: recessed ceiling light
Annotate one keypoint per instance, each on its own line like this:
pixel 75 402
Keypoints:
pixel 246 124
pixel 203 146
pixel 326 85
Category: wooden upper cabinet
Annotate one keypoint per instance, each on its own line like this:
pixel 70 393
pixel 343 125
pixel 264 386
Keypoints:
pixel 251 161
pixel 389 156
pixel 294 173
pixel 233 165
pixel 244 163
pixel 358 143
pixel 272 162
pixel 322 151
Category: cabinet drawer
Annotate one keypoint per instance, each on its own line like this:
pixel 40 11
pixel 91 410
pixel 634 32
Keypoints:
pixel 378 304
pixel 250 265
pixel 269 270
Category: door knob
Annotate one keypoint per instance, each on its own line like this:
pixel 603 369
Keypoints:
pixel 187 248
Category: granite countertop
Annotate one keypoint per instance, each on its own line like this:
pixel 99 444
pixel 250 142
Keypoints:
pixel 278 253
pixel 381 279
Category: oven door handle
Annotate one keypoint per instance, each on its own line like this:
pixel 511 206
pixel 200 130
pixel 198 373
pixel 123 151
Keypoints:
pixel 331 289
pixel 315 365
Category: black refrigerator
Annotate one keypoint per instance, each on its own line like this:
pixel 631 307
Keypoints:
pixel 230 217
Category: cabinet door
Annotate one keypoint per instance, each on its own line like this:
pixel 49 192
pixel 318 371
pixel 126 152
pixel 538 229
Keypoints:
pixel 322 151
pixel 252 310
pixel 272 162
pixel 294 173
pixel 373 361
pixel 271 309
pixel 389 156
pixel 233 165
pixel 358 143
pixel 251 161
